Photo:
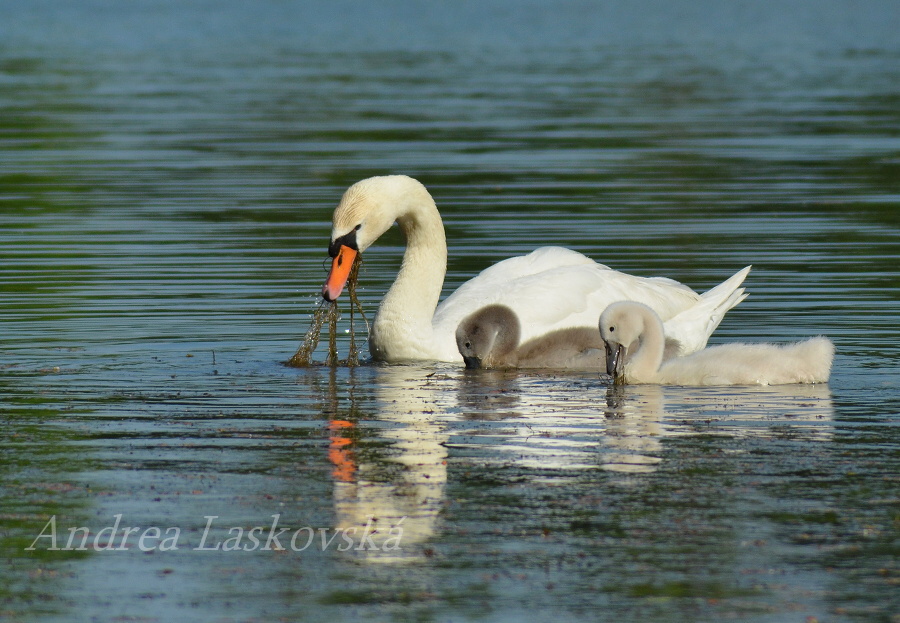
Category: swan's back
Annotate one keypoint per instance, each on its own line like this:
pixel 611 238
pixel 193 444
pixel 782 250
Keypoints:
pixel 555 288
pixel 753 364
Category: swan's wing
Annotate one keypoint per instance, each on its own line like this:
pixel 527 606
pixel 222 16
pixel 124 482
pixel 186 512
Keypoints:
pixel 538 261
pixel 554 288
pixel 500 282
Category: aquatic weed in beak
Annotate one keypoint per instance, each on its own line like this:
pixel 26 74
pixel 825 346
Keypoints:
pixel 329 312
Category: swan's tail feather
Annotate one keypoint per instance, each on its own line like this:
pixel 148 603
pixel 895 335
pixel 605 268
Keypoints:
pixel 692 327
pixel 724 297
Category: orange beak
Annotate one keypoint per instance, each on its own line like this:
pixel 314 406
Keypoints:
pixel 340 272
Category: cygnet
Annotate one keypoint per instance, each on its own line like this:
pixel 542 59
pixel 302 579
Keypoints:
pixel 635 345
pixel 489 338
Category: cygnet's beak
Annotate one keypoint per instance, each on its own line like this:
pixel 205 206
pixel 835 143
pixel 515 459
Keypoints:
pixel 615 362
pixel 340 272
pixel 472 363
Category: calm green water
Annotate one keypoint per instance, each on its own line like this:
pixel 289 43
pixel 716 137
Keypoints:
pixel 167 176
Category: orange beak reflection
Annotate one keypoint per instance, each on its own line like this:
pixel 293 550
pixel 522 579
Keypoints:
pixel 340 272
pixel 340 452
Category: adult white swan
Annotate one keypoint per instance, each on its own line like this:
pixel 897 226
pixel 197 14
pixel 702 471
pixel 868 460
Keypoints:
pixel 548 289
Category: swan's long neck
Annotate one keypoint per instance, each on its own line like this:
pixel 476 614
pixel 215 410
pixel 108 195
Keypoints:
pixel 402 328
pixel 643 365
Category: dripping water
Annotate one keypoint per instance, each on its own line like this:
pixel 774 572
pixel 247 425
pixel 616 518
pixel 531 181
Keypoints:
pixel 328 312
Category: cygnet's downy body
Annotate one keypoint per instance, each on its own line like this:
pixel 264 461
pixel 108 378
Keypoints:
pixel 489 338
pixel 633 335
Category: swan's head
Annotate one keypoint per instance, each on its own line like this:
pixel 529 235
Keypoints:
pixel 621 325
pixel 367 210
pixel 487 335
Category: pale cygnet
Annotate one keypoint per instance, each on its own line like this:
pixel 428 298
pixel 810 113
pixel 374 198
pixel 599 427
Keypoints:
pixel 633 334
pixel 489 338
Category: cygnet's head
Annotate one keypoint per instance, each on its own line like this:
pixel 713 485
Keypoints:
pixel 621 324
pixel 487 335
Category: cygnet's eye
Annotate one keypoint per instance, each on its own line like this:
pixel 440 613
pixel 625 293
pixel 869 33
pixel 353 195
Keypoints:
pixel 612 329
pixel 468 344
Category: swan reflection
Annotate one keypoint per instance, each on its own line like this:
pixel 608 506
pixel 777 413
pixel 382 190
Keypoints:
pixel 399 490
pixel 393 473
pixel 640 417
pixel 634 428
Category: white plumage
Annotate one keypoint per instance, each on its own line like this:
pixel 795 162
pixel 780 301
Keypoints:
pixel 548 289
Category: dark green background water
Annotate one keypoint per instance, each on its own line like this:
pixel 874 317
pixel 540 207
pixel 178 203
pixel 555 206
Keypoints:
pixel 167 176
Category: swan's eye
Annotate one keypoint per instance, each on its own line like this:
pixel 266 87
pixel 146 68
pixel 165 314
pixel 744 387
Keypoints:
pixel 357 227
